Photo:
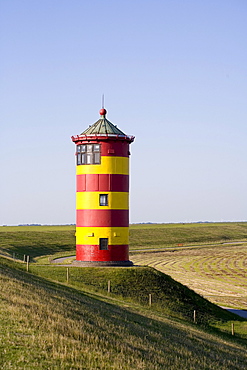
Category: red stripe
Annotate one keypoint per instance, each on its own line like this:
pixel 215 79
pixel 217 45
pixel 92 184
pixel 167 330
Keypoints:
pixel 115 148
pixel 102 218
pixel 102 182
pixel 92 253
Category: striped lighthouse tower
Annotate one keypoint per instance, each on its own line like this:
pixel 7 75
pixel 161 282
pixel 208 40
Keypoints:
pixel 102 194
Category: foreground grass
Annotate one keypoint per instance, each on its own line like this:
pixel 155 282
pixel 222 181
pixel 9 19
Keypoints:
pixel 50 326
pixel 137 285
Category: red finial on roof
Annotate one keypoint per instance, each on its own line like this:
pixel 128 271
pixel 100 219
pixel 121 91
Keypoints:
pixel 102 111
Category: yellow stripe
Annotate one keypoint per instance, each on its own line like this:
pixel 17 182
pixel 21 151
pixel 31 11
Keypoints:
pixel 90 200
pixel 111 165
pixel 91 235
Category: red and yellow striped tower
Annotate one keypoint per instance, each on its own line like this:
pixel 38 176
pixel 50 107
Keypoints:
pixel 102 194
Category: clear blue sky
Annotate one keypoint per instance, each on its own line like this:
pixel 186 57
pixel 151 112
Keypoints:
pixel 174 75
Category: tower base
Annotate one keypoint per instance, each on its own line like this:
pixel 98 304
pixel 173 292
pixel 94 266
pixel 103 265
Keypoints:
pixel 102 263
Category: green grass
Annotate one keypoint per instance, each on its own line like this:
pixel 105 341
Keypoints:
pixel 46 325
pixel 164 235
pixel 217 272
pixel 202 269
pixel 52 324
pixel 36 240
pixel 46 240
pixel 134 285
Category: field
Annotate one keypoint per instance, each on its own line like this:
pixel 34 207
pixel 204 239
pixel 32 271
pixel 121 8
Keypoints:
pixel 217 272
pixel 47 325
pixel 70 321
pixel 210 258
pixel 159 236
pixel 44 240
pixel 36 241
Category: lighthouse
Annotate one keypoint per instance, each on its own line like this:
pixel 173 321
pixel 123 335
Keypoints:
pixel 102 194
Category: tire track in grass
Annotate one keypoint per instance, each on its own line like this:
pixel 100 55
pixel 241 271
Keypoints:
pixel 225 266
pixel 204 266
pixel 217 273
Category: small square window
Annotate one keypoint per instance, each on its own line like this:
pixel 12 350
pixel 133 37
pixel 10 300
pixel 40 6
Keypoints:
pixel 103 244
pixel 103 199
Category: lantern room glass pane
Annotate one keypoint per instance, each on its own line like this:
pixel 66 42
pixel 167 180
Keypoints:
pixel 78 159
pixel 78 148
pixel 83 148
pixel 89 148
pixel 89 158
pixel 96 158
pixel 83 158
pixel 96 148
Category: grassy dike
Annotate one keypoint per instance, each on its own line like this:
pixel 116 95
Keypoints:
pixel 48 240
pixel 135 285
pixel 47 322
pixel 47 325
pixel 148 236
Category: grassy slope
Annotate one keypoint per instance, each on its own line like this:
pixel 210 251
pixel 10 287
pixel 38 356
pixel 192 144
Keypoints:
pixel 135 284
pixel 36 240
pixel 163 235
pixel 44 240
pixel 50 326
pixel 220 283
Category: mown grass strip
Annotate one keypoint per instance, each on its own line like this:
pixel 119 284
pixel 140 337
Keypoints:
pixel 206 270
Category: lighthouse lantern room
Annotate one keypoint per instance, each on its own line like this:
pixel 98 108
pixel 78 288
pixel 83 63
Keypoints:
pixel 102 194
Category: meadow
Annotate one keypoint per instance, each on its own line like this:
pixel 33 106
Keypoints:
pixel 45 240
pixel 71 321
pixel 217 272
pixel 159 236
pixel 48 325
pixel 210 258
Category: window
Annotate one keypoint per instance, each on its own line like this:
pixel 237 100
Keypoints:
pixel 89 158
pixel 96 158
pixel 90 148
pixel 88 154
pixel 103 244
pixel 103 199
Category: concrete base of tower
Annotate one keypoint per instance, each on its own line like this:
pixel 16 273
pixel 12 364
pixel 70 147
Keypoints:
pixel 102 263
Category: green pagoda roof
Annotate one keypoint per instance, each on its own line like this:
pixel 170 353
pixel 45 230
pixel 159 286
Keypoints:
pixel 103 126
